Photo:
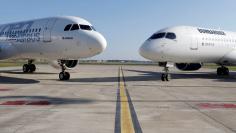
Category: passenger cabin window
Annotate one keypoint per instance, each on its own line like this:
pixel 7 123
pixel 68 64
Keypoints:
pixel 75 27
pixel 171 36
pixel 85 27
pixel 158 36
pixel 67 28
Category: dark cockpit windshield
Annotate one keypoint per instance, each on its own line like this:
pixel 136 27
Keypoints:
pixel 168 35
pixel 158 36
pixel 85 27
pixel 72 27
pixel 67 28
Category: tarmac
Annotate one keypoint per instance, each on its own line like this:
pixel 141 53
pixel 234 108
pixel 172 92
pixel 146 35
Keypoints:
pixel 116 99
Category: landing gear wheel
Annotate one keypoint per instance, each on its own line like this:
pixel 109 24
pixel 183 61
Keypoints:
pixel 227 71
pixel 29 68
pixel 219 71
pixel 64 76
pixel 222 71
pixel 162 77
pixel 67 75
pixel 165 77
pixel 32 68
pixel 61 76
pixel 25 68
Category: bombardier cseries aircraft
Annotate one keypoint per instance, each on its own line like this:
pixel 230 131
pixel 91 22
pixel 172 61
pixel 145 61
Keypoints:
pixel 189 47
pixel 63 40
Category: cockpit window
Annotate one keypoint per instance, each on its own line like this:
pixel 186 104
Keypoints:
pixel 67 28
pixel 171 36
pixel 85 27
pixel 75 27
pixel 72 27
pixel 158 36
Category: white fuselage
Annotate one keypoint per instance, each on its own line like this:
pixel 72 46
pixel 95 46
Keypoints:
pixel 47 39
pixel 185 44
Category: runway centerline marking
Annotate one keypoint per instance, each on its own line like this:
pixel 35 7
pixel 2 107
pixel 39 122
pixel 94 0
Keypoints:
pixel 126 118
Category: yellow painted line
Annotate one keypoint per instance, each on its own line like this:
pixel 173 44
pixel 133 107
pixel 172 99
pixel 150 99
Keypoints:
pixel 126 119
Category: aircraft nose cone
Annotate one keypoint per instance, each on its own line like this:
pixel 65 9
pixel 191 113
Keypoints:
pixel 150 50
pixel 97 43
pixel 101 42
pixel 144 50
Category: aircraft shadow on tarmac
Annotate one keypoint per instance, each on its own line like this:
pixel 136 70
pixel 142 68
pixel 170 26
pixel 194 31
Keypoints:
pixel 19 71
pixel 12 80
pixel 115 79
pixel 191 75
pixel 14 72
pixel 142 76
pixel 153 76
pixel 156 76
pixel 51 100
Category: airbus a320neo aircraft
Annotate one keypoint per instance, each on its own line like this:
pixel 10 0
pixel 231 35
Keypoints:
pixel 188 47
pixel 63 40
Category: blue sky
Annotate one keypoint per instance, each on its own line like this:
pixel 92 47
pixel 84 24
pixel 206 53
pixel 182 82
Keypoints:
pixel 127 23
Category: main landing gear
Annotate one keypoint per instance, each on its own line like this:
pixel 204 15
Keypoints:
pixel 165 76
pixel 222 71
pixel 63 75
pixel 29 68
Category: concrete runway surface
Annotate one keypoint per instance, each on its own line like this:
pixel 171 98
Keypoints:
pixel 114 99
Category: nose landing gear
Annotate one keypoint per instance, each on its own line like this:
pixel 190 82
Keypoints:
pixel 165 76
pixel 63 75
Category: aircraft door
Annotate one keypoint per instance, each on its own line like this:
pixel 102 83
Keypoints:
pixel 194 43
pixel 47 33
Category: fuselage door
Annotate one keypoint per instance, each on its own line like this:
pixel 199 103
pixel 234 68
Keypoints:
pixel 47 33
pixel 194 43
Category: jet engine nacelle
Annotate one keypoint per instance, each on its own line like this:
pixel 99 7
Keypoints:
pixel 188 66
pixel 68 64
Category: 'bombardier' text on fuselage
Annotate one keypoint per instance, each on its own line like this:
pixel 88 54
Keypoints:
pixel 215 32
